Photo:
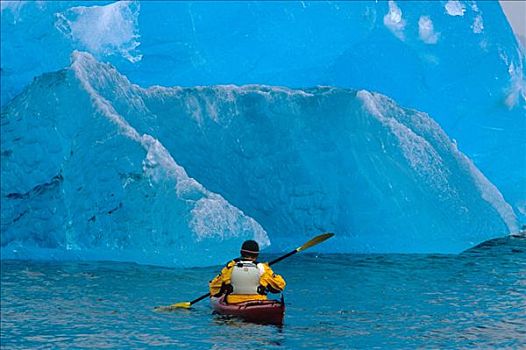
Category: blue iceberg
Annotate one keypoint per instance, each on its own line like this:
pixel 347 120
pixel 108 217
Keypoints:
pixel 456 60
pixel 94 166
pixel 286 119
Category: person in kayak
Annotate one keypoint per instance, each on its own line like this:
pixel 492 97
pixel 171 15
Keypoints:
pixel 244 279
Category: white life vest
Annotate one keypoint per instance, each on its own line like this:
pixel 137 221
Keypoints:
pixel 245 277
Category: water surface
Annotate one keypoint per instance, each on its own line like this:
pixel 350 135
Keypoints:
pixel 472 300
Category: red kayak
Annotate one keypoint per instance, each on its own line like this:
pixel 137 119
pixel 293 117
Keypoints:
pixel 257 311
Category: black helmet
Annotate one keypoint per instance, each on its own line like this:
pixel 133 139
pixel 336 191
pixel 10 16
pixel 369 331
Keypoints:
pixel 250 248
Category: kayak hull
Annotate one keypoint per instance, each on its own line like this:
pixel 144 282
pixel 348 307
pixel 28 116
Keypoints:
pixel 257 311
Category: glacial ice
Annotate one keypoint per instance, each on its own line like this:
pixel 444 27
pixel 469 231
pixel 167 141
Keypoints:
pixel 456 60
pixel 279 127
pixel 94 166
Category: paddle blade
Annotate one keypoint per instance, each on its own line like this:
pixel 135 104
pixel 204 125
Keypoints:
pixel 182 305
pixel 316 240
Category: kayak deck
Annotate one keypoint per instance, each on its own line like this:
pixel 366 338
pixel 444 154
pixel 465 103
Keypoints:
pixel 257 311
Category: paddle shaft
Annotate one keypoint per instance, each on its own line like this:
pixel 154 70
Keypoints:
pixel 200 298
pixel 283 257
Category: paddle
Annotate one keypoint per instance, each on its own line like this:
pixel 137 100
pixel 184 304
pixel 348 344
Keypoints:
pixel 187 304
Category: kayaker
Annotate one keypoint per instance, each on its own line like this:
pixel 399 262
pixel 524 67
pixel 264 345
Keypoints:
pixel 244 278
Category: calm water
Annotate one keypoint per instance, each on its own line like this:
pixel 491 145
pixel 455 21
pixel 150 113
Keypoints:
pixel 473 300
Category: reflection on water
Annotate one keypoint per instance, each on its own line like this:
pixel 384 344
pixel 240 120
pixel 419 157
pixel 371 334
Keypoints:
pixel 475 299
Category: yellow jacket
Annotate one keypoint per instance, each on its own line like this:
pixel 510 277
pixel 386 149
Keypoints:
pixel 268 279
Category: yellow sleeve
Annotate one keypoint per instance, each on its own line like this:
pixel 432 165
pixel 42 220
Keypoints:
pixel 270 279
pixel 223 278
